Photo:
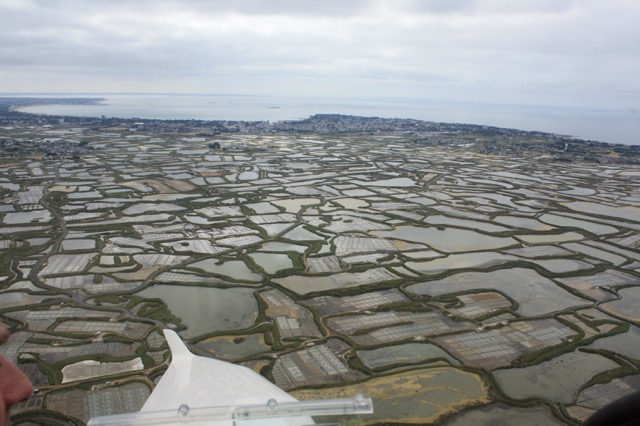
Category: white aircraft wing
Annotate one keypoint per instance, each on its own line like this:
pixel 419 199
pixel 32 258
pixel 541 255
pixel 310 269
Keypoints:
pixel 198 390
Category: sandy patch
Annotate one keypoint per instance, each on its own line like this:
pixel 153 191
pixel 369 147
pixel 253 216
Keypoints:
pixel 84 370
pixel 416 397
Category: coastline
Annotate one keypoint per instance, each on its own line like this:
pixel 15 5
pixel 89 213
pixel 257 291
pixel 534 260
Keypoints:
pixel 607 126
pixel 20 103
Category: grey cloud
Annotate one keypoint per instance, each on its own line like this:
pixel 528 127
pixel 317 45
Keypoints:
pixel 391 45
pixel 244 7
pixel 434 7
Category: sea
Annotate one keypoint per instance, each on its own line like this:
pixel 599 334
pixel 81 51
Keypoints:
pixel 605 125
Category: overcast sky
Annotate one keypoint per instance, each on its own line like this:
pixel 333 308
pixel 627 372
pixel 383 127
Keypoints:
pixel 562 52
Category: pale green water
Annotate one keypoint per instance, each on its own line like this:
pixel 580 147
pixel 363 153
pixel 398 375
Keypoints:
pixel 563 222
pixel 449 240
pixel 401 182
pixel 234 269
pixel 471 224
pixel 296 204
pixel 460 261
pixel 207 309
pixel 403 354
pixel 301 234
pixel 535 294
pixel 557 380
pixel 272 262
pixel 522 222
pixel 282 247
pixel 622 212
pixel 14 299
pixel 80 244
pixel 628 305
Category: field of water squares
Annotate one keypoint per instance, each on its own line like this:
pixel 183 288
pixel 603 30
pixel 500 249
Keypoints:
pixel 449 285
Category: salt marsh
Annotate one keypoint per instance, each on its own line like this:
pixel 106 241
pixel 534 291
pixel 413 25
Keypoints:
pixel 413 266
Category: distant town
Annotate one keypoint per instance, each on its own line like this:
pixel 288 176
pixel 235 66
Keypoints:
pixel 458 274
pixel 470 137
